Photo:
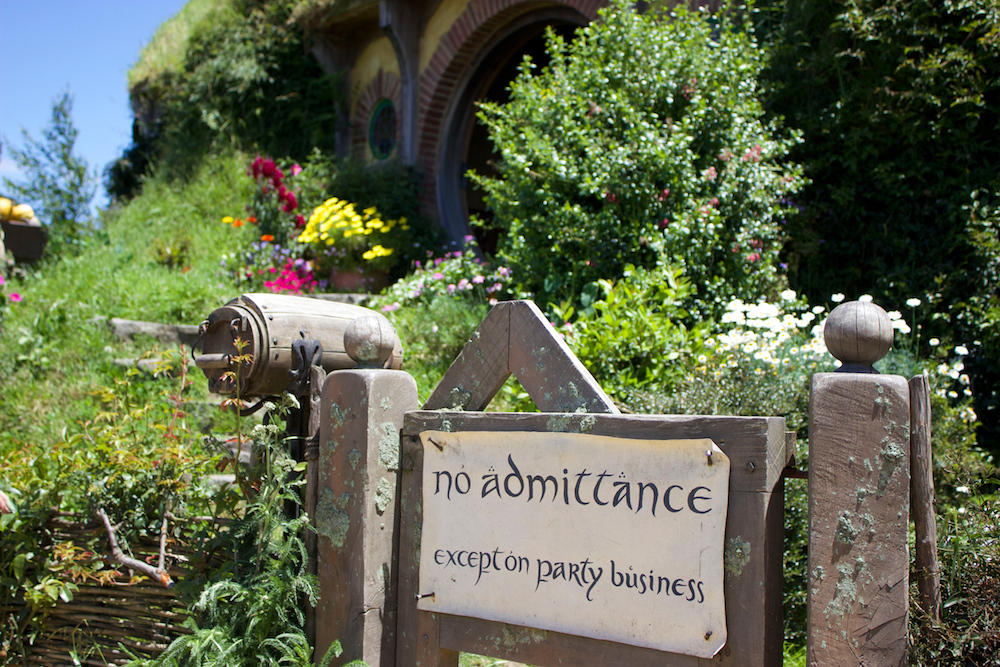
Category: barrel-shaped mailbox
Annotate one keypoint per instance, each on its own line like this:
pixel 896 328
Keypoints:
pixel 267 326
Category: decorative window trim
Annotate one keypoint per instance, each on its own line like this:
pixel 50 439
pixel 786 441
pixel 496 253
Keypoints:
pixel 383 137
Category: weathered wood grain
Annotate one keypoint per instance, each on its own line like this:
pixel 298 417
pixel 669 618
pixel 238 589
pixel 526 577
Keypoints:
pixel 754 541
pixel 516 338
pixel 418 633
pixel 859 482
pixel 928 569
pixel 357 511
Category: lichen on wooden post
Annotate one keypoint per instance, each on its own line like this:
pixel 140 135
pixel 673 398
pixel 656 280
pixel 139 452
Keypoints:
pixel 356 512
pixel 859 475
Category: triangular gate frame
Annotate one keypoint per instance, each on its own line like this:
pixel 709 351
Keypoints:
pixel 515 338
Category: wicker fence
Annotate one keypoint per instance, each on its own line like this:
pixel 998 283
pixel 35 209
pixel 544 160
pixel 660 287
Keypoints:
pixel 103 624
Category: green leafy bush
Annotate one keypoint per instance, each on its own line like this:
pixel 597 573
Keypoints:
pixel 641 143
pixel 630 334
pixel 436 308
pixel 247 81
pixel 898 106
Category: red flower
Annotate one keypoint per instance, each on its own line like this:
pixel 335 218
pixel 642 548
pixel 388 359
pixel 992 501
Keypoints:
pixel 268 167
pixel 256 166
pixel 300 221
pixel 291 203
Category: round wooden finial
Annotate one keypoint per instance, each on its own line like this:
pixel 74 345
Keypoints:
pixel 369 341
pixel 859 334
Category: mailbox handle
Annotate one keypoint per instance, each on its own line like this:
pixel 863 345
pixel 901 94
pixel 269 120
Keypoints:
pixel 204 361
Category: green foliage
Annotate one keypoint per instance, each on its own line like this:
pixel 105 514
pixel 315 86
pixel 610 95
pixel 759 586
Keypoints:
pixel 58 184
pixel 642 143
pixel 436 308
pixel 247 81
pixel 164 54
pixel 968 539
pixel 136 459
pixel 898 106
pixel 251 612
pixel 394 189
pixel 630 334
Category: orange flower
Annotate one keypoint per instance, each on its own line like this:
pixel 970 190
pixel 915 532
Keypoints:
pixel 237 223
pixel 267 238
pixel 252 219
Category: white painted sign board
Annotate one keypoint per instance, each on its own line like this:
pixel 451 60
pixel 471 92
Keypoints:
pixel 609 538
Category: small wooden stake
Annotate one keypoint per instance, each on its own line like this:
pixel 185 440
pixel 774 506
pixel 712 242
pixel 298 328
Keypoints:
pixel 922 498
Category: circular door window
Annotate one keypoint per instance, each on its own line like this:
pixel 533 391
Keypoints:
pixel 382 130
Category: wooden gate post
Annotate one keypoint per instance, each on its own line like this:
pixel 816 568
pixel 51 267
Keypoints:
pixel 859 476
pixel 355 497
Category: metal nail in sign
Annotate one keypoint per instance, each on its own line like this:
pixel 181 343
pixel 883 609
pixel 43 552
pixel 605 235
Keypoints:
pixel 609 538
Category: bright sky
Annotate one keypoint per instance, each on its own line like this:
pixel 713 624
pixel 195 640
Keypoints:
pixel 86 47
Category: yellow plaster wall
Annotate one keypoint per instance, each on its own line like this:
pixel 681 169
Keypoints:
pixel 444 17
pixel 379 55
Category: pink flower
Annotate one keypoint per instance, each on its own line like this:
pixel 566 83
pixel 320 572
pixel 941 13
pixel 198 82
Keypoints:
pixel 663 195
pixel 753 257
pixel 752 155
pixel 2 281
pixel 478 280
pixel 438 276
pixel 714 201
pixel 451 288
pixel 15 297
pixel 663 224
pixel 710 173
pixel 610 196
pixel 296 169
pixel 464 284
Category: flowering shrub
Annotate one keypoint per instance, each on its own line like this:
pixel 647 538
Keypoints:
pixel 437 307
pixel 459 274
pixel 275 205
pixel 342 239
pixel 265 265
pixel 642 143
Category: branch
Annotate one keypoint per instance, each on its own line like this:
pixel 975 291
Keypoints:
pixel 157 574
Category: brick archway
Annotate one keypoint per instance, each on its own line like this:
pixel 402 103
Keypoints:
pixel 466 40
pixel 385 86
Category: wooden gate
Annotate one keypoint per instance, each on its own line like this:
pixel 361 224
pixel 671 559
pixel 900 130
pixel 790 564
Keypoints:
pixel 367 500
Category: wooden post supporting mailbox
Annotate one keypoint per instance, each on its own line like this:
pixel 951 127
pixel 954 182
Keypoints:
pixel 859 476
pixel 354 500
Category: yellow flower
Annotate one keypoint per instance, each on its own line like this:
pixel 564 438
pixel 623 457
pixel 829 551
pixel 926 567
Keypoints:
pixel 228 219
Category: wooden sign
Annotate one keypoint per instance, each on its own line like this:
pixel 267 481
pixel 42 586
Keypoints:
pixel 609 538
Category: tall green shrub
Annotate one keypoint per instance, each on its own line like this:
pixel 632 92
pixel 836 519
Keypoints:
pixel 899 105
pixel 642 143
pixel 248 80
